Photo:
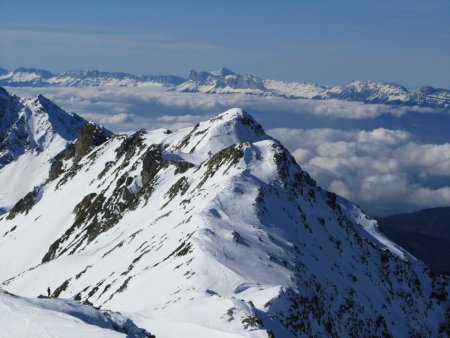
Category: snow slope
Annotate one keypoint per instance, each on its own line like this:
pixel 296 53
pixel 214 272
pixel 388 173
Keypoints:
pixel 25 317
pixel 214 231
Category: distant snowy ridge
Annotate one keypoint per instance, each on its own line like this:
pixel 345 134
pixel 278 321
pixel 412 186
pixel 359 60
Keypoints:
pixel 213 231
pixel 41 78
pixel 224 81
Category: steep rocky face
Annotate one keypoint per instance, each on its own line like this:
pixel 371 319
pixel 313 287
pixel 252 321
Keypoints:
pixel 219 217
pixel 8 107
pixel 90 136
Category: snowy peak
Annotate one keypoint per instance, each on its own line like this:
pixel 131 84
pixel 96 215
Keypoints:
pixel 32 132
pixel 223 72
pixel 222 81
pixel 33 125
pixel 226 129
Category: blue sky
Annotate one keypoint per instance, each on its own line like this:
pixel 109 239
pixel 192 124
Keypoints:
pixel 330 42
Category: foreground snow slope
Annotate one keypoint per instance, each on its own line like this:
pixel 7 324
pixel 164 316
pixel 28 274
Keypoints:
pixel 25 317
pixel 214 231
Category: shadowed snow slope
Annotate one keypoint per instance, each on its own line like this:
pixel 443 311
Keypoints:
pixel 215 231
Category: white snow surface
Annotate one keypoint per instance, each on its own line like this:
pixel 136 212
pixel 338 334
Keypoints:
pixel 215 231
pixel 25 317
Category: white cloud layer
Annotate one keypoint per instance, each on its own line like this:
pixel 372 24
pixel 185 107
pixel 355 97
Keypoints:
pixel 383 170
pixel 158 101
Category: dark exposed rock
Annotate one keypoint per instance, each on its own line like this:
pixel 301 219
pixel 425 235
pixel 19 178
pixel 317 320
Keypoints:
pixel 331 200
pixel 130 145
pixel 229 156
pixel 90 137
pixel 25 204
pixel 60 289
pixel 57 167
pixel 180 187
pixel 152 163
pixel 247 120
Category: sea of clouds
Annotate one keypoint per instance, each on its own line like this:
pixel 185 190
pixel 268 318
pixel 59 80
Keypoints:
pixel 386 159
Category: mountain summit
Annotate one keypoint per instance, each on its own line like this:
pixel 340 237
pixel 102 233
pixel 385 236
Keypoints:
pixel 213 231
pixel 33 125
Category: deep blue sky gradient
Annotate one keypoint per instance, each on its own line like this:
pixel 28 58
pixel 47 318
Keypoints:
pixel 323 41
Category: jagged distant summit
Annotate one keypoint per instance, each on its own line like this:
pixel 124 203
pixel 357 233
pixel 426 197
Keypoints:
pixel 225 81
pixel 164 224
pixel 223 72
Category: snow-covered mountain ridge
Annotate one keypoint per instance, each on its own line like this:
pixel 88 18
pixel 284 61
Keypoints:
pixel 213 231
pixel 225 81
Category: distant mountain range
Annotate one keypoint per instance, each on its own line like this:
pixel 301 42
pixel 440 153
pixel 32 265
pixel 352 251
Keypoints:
pixel 224 81
pixel 425 233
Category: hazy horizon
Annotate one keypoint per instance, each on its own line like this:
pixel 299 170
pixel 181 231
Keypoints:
pixel 327 42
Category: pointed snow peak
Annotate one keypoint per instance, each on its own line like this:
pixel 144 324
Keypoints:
pixel 33 125
pixel 231 127
pixel 43 100
pixel 44 105
pixel 233 113
pixel 240 117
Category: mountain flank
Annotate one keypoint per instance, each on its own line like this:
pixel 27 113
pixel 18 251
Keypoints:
pixel 210 231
